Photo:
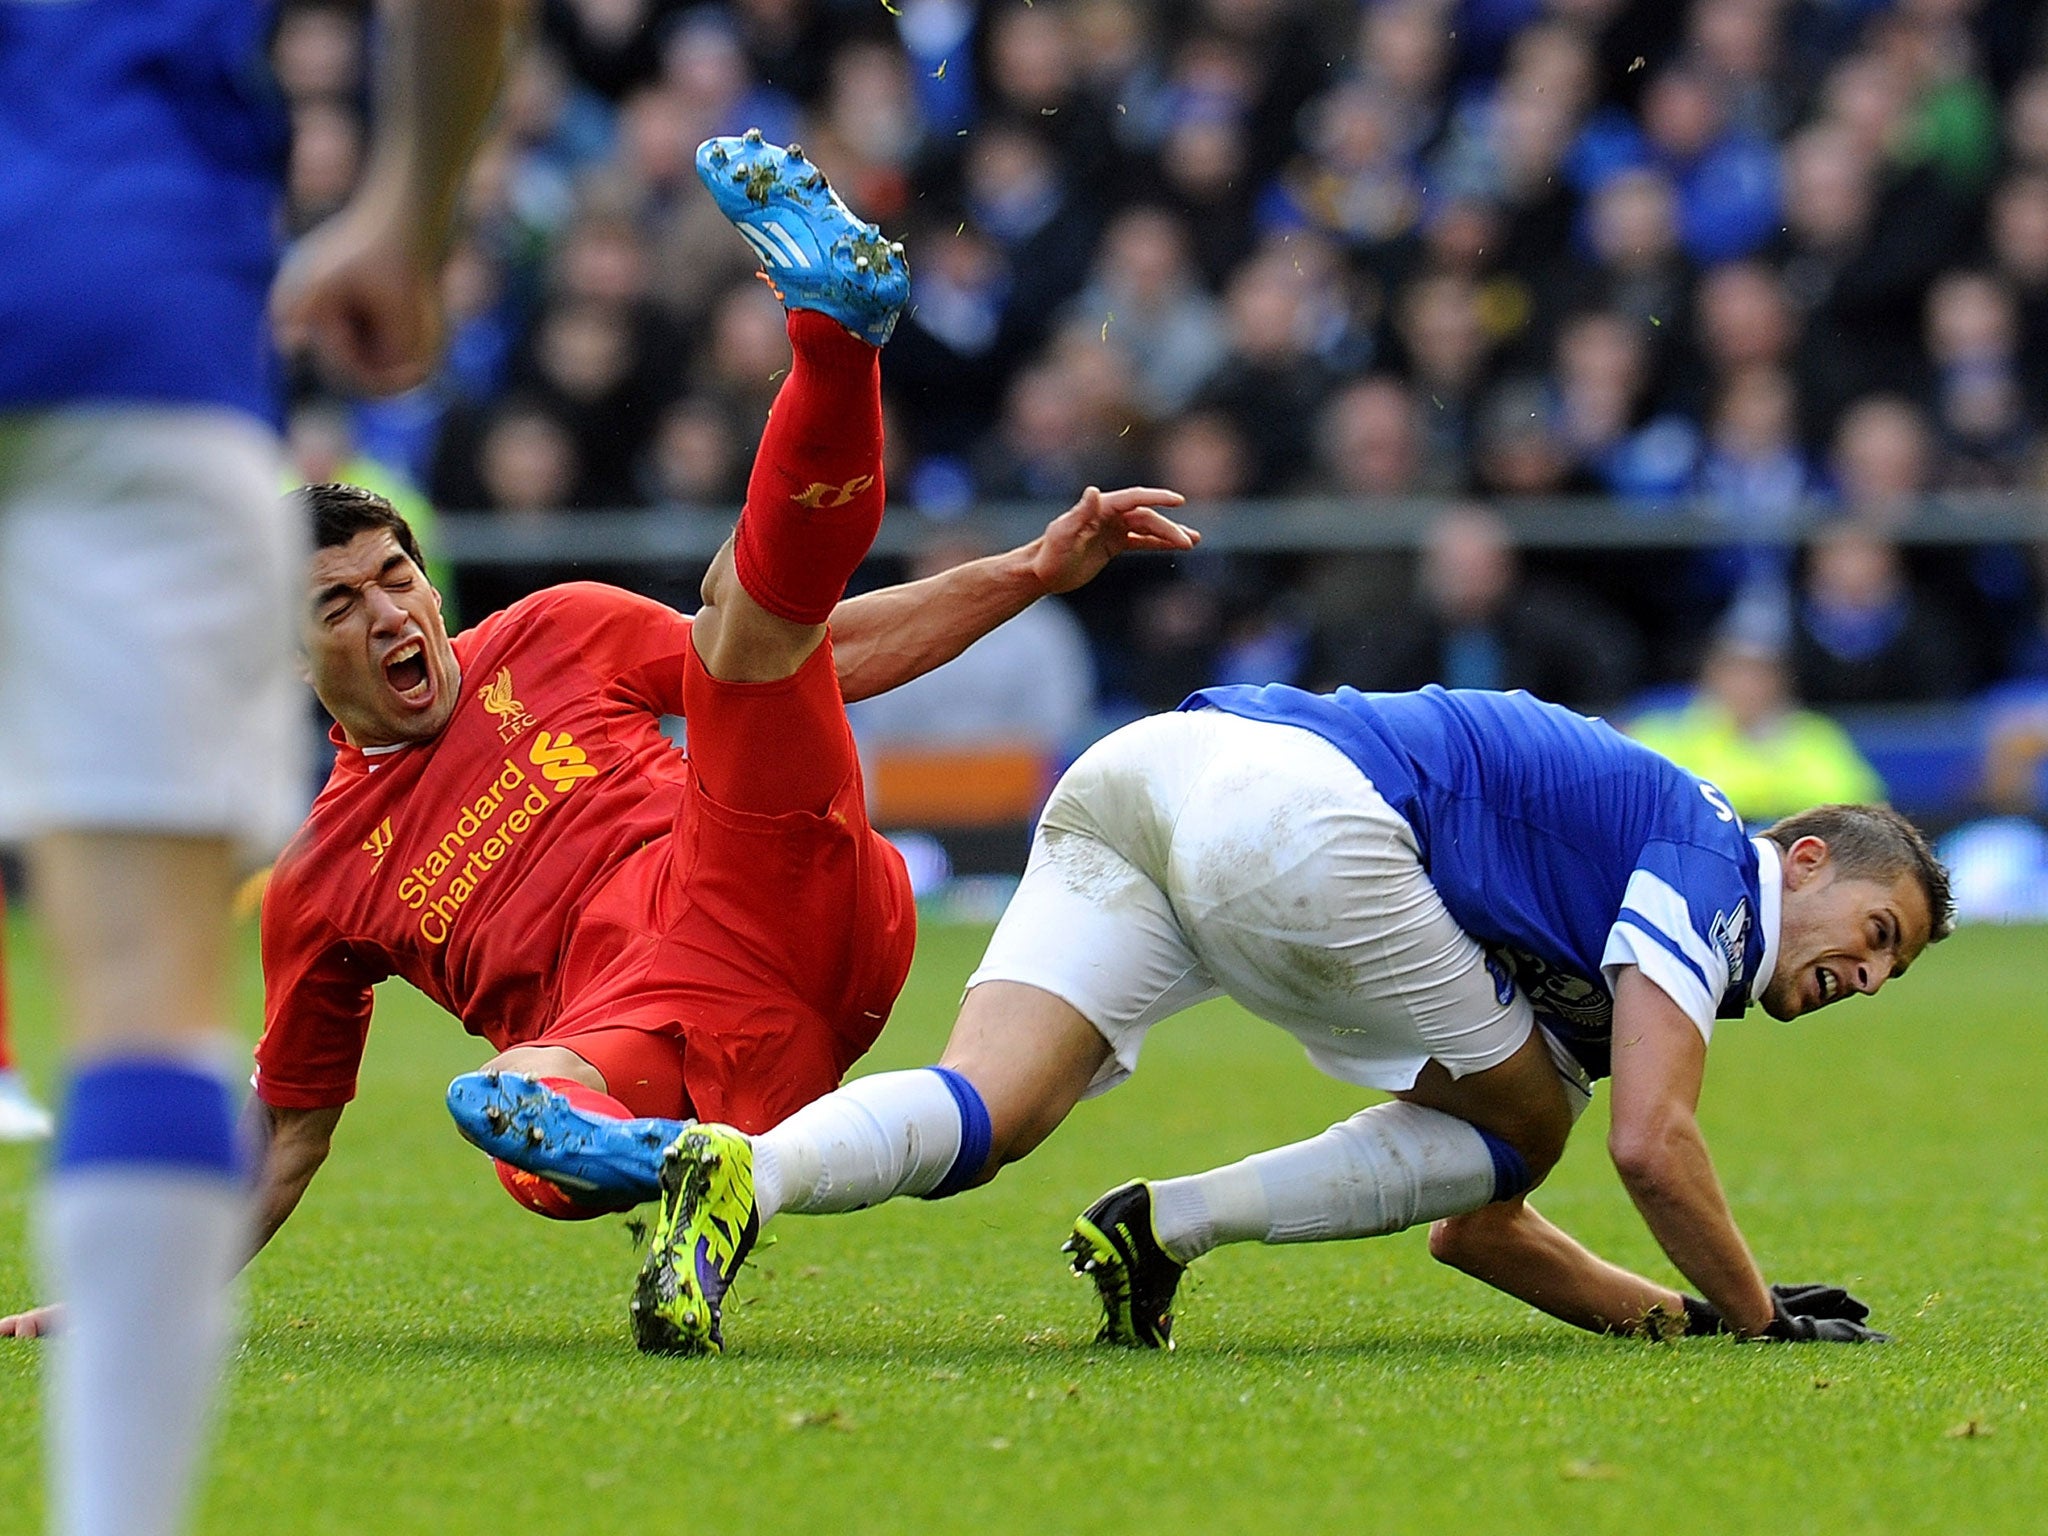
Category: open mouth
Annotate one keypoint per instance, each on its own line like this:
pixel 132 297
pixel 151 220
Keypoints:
pixel 405 669
pixel 1828 987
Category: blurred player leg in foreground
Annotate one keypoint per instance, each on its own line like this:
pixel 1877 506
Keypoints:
pixel 146 626
pixel 21 1117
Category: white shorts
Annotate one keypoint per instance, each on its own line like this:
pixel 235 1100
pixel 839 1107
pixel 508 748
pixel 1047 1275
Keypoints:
pixel 1191 855
pixel 149 576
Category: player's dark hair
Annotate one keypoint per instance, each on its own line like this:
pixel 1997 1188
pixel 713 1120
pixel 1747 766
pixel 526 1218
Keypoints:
pixel 1874 842
pixel 340 512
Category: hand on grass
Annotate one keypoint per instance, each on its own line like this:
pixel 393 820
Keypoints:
pixel 1807 1313
pixel 35 1323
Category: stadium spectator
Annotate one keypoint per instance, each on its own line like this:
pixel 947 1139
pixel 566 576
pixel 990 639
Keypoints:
pixel 1518 449
pixel 1369 442
pixel 1037 211
pixel 1881 459
pixel 1745 732
pixel 1606 414
pixel 1742 316
pixel 1980 405
pixel 1449 358
pixel 1640 270
pixel 696 458
pixel 1048 431
pixel 1862 635
pixel 1272 382
pixel 326 160
pixel 1739 45
pixel 1867 234
pixel 1148 300
pixel 1356 181
pixel 1725 174
pixel 2018 237
pixel 1475 623
pixel 317 51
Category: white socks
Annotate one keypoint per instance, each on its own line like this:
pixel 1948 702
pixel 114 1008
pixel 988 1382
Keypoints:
pixel 896 1133
pixel 1384 1169
pixel 144 1221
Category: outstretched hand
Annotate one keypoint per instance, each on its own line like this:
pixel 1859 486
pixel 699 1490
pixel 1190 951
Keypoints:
pixel 361 295
pixel 1807 1313
pixel 1078 543
pixel 36 1323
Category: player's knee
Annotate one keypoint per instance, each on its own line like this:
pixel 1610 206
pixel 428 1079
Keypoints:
pixel 1540 1143
pixel 544 1061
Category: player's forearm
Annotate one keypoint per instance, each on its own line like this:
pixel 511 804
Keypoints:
pixel 1514 1249
pixel 1670 1176
pixel 881 640
pixel 439 70
pixel 298 1143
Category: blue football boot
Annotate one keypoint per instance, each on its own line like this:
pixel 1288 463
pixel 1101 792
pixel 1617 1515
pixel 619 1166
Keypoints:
pixel 818 255
pixel 529 1125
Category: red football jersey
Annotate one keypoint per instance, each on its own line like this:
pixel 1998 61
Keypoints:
pixel 461 864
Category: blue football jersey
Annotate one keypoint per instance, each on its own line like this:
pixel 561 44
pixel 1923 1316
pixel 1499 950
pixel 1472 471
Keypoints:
pixel 1566 849
pixel 141 161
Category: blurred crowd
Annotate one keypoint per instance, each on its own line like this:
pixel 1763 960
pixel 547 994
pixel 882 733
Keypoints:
pixel 1739 254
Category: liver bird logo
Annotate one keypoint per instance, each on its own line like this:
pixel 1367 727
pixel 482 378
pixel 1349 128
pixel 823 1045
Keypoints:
pixel 498 699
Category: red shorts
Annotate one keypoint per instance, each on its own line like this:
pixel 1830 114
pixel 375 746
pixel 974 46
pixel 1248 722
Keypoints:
pixel 735 970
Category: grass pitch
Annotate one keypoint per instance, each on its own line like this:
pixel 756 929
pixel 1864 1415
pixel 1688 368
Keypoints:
pixel 423 1356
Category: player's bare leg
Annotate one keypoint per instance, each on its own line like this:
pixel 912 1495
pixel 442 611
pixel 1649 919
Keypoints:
pixel 147 1158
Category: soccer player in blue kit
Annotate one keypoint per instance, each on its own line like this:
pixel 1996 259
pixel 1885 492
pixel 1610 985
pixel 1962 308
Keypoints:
pixel 1476 902
pixel 149 575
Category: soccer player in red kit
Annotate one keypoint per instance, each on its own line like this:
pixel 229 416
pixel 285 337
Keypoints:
pixel 643 935
pixel 21 1117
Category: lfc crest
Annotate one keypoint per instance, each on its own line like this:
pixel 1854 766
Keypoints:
pixel 496 697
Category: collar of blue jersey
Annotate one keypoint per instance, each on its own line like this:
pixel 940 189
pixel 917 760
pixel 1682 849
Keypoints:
pixel 1770 901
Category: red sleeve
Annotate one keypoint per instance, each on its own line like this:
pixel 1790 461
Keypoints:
pixel 634 644
pixel 316 1007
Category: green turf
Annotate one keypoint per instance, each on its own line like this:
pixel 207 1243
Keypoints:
pixel 422 1356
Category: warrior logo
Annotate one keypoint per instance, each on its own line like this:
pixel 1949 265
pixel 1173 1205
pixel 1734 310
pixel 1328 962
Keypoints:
pixel 378 843
pixel 513 720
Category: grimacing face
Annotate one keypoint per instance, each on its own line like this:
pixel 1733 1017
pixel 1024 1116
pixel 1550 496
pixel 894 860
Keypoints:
pixel 1839 936
pixel 375 648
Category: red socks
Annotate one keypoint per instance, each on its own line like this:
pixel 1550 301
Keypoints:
pixel 814 500
pixel 550 1199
